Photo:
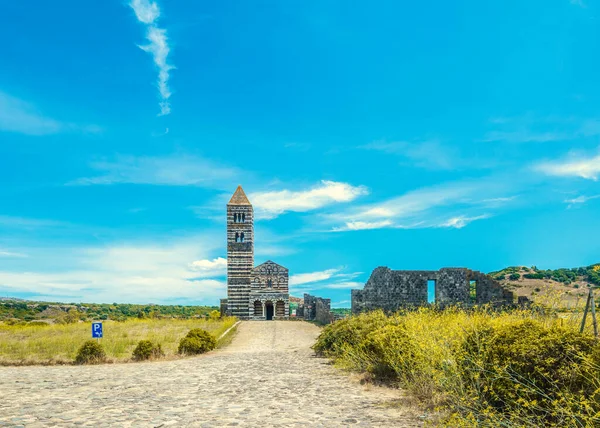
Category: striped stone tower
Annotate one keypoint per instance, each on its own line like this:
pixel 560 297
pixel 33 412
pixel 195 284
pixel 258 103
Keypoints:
pixel 240 253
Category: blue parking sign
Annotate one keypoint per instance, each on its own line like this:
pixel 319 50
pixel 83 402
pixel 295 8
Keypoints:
pixel 97 330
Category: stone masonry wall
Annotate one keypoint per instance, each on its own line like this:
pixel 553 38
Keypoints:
pixel 323 311
pixel 317 309
pixel 393 289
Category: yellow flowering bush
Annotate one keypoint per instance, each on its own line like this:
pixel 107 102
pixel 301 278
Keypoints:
pixel 482 367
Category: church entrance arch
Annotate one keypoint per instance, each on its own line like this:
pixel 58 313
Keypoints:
pixel 269 310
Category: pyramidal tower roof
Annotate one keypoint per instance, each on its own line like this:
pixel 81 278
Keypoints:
pixel 239 197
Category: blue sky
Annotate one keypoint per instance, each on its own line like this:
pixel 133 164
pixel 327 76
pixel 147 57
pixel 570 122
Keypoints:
pixel 400 134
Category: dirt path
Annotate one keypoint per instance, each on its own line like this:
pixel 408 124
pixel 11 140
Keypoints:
pixel 267 376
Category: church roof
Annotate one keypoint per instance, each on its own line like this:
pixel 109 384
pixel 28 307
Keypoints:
pixel 239 197
pixel 270 263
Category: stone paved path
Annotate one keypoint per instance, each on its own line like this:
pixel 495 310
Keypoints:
pixel 267 376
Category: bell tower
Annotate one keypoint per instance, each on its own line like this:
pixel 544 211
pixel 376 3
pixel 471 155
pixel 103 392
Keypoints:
pixel 240 253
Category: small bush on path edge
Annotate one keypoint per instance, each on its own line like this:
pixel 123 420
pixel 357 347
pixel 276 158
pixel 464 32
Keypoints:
pixel 91 352
pixel 146 350
pixel 197 341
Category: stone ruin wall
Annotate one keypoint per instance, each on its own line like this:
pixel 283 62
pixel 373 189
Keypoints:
pixel 391 290
pixel 323 311
pixel 315 309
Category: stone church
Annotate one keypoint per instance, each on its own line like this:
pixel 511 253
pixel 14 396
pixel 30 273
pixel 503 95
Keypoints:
pixel 256 293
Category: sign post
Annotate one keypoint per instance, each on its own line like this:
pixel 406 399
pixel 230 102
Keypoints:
pixel 97 330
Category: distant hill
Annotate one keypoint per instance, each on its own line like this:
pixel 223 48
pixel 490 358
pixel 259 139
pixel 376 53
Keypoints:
pixel 27 310
pixel 567 285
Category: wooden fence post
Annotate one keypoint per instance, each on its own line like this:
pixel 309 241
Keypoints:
pixel 587 306
pixel 593 304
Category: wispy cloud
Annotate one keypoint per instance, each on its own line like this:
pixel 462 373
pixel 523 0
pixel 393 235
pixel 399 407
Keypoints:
pixel 345 285
pixel 172 170
pixel 430 154
pixel 11 254
pixel 363 225
pixel 307 278
pixel 580 200
pixel 461 221
pixel 27 223
pixel 574 165
pixel 327 279
pixel 148 12
pixel 270 204
pixel 425 207
pixel 19 116
pixel 530 129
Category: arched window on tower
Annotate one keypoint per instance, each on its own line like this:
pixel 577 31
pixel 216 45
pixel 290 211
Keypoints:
pixel 242 237
pixel 237 237
pixel 269 283
pixel 243 218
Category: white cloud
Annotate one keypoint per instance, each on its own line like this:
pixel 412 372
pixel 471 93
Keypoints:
pixel 525 136
pixel 11 254
pixel 27 223
pixel 530 129
pixel 215 267
pixel 329 278
pixel 307 278
pixel 363 225
pixel 148 12
pixel 345 285
pixel 580 200
pixel 271 204
pixel 18 116
pixel 145 11
pixel 429 154
pixel 587 167
pixel 129 272
pixel 422 208
pixel 168 171
pixel 500 200
pixel 461 221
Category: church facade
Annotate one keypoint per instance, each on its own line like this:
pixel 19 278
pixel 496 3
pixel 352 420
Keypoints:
pixel 257 293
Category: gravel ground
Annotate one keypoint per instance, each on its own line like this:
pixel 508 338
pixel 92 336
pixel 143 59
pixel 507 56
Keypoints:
pixel 268 376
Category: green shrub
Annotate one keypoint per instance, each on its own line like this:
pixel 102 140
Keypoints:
pixel 14 321
pixel 514 276
pixel 145 350
pixel 38 323
pixel 481 367
pixel 338 336
pixel 534 276
pixel 393 354
pixel 91 352
pixel 197 341
pixel 549 375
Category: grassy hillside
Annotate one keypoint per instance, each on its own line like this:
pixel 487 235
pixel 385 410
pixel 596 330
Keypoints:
pixel 565 286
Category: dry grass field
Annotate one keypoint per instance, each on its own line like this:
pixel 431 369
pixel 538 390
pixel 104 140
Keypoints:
pixel 58 343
